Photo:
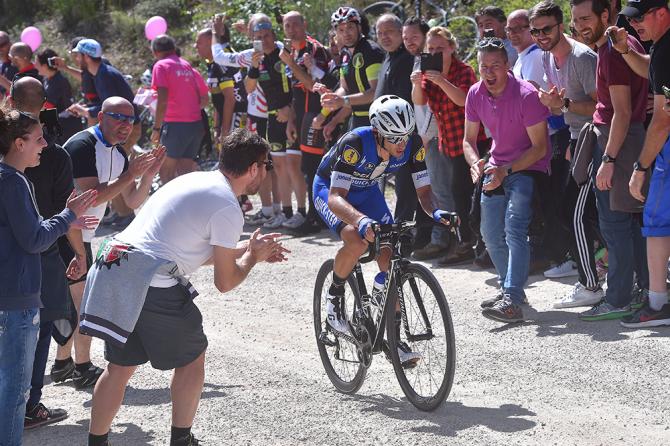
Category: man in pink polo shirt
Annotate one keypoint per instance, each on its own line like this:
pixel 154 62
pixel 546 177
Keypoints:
pixel 182 94
pixel 511 110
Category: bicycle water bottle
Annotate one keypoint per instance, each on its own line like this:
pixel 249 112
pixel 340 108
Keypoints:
pixel 378 288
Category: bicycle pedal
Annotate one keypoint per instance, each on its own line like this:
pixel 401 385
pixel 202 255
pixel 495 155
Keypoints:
pixel 323 338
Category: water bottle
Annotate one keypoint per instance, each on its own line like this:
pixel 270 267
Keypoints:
pixel 378 288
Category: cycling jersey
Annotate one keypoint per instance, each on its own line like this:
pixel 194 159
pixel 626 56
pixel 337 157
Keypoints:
pixel 360 65
pixel 304 100
pixel 275 81
pixel 353 163
pixel 256 104
pixel 218 79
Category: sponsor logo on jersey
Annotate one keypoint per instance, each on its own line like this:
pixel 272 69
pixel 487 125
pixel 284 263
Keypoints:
pixel 369 166
pixel 279 67
pixel 420 155
pixel 358 61
pixel 350 155
pixel 276 147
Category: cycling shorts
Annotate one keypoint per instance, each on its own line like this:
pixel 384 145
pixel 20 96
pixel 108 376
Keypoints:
pixel 276 135
pixel 369 201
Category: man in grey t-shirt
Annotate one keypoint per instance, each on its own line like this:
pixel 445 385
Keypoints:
pixel 570 72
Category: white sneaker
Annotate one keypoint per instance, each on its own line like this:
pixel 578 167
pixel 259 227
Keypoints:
pixel 296 220
pixel 580 297
pixel 565 269
pixel 259 218
pixel 336 317
pixel 408 358
pixel 276 221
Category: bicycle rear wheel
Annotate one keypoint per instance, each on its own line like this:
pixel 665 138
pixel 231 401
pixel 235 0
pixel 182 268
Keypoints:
pixel 467 35
pixel 338 355
pixel 427 329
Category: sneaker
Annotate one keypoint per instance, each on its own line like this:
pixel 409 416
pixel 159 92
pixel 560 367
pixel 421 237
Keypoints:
pixel 41 416
pixel 87 378
pixel 504 310
pixel 565 269
pixel 430 251
pixel 121 222
pixel 336 317
pixel 647 317
pixel 296 220
pixel 603 312
pixel 259 218
pixel 408 358
pixel 581 297
pixel 276 221
pixel 491 301
pixel 462 253
pixel 60 374
pixel 188 441
pixel 640 298
pixel 483 261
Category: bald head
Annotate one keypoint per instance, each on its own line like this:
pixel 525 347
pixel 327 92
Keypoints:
pixel 293 15
pixel 294 26
pixel 28 95
pixel 116 104
pixel 22 50
pixel 518 29
pixel 518 14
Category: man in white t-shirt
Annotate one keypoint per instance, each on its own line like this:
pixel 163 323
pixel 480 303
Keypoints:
pixel 194 220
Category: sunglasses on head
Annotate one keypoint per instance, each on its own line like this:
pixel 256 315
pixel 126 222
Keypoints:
pixel 641 18
pixel 121 117
pixel 495 42
pixel 545 31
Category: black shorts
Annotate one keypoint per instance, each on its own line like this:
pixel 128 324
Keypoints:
pixel 257 125
pixel 67 254
pixel 276 135
pixel 168 332
pixel 311 139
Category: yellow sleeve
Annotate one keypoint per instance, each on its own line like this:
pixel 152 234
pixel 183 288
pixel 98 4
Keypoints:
pixel 372 71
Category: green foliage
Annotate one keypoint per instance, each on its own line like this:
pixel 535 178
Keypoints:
pixel 72 12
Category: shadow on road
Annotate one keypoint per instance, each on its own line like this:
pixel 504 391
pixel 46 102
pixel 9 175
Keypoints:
pixel 150 397
pixel 72 433
pixel 451 417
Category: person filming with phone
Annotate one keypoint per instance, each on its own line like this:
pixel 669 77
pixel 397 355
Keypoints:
pixel 443 82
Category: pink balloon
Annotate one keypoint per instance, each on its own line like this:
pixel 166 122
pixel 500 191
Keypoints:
pixel 154 27
pixel 32 37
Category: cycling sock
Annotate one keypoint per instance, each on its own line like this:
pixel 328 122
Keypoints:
pixel 276 207
pixel 83 366
pixel 288 211
pixel 179 434
pixel 97 440
pixel 337 287
pixel 268 211
pixel 302 212
pixel 657 300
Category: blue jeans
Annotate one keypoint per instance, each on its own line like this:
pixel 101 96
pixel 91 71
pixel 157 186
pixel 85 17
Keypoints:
pixel 504 227
pixel 626 249
pixel 18 338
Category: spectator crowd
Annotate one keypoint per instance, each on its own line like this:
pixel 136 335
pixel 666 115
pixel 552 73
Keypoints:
pixel 553 152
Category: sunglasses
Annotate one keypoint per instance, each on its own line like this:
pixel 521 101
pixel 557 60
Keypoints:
pixel 490 41
pixel 268 164
pixel 516 29
pixel 545 31
pixel 121 117
pixel 641 18
pixel 397 139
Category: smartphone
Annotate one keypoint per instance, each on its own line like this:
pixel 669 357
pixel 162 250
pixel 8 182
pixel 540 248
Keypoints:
pixel 288 45
pixel 666 92
pixel 51 62
pixel 431 62
pixel 258 46
pixel 489 32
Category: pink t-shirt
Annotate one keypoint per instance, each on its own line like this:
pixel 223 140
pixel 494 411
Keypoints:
pixel 185 87
pixel 507 118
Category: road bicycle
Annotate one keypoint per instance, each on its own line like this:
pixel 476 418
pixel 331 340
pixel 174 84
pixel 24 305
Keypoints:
pixel 423 323
pixel 463 27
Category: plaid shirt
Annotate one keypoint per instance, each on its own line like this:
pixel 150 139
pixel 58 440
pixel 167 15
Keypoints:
pixel 450 117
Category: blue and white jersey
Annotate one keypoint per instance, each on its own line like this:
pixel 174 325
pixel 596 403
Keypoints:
pixel 353 163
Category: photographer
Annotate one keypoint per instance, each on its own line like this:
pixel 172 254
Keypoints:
pixel 58 94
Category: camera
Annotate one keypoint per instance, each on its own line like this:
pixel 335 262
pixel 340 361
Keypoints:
pixel 489 33
pixel 258 46
pixel 431 62
pixel 51 62
pixel 49 119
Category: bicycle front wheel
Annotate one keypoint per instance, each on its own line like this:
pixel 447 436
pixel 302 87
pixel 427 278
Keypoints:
pixel 426 328
pixel 338 354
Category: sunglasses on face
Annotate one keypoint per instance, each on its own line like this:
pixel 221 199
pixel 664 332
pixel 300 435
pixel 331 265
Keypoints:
pixel 641 18
pixel 397 139
pixel 545 31
pixel 491 41
pixel 268 165
pixel 121 117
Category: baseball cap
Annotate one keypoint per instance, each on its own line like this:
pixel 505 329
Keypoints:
pixel 89 47
pixel 636 8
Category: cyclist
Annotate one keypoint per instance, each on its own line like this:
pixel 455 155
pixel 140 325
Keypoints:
pixel 349 200
pixel 361 62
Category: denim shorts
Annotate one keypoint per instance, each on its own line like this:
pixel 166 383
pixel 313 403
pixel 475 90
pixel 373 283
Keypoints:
pixel 657 206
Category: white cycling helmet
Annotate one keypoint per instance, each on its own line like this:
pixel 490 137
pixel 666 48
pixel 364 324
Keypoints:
pixel 392 116
pixel 345 14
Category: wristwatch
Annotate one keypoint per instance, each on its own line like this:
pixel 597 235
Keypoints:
pixel 608 159
pixel 566 105
pixel 638 167
pixel 509 172
pixel 347 102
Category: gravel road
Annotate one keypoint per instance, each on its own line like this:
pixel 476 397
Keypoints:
pixel 553 380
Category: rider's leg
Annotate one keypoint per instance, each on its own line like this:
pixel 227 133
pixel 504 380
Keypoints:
pixel 347 257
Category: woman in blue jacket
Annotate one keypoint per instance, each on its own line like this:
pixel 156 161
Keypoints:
pixel 23 235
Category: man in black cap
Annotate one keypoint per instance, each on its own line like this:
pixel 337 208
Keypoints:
pixel 651 20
